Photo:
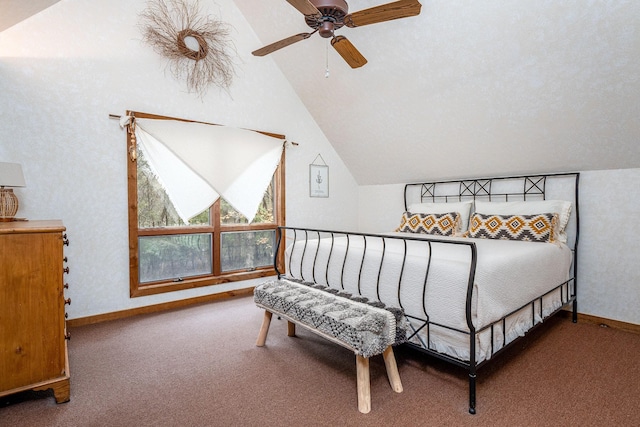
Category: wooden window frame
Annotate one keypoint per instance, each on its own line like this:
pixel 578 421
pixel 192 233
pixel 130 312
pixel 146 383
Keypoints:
pixel 136 289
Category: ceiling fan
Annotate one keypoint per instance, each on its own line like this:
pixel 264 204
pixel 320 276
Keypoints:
pixel 326 16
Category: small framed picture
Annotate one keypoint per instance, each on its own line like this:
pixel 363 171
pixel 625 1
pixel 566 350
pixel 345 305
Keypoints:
pixel 318 180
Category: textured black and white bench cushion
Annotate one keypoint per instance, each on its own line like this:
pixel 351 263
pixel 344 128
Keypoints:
pixel 367 328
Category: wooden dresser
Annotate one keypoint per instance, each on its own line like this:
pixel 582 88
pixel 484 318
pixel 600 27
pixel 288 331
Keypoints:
pixel 33 344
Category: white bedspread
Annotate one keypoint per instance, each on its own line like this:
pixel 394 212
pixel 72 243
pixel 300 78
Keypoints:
pixel 508 275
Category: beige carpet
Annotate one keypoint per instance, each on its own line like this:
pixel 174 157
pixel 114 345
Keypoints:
pixel 199 366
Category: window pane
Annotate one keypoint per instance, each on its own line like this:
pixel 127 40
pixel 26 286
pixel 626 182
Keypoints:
pixel 265 214
pixel 174 257
pixel 247 249
pixel 154 207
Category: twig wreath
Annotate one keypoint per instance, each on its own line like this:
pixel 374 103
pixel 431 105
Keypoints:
pixel 196 46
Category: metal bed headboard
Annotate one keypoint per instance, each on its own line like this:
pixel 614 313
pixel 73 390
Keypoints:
pixel 508 188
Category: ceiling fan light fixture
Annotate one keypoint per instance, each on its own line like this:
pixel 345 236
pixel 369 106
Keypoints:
pixel 326 29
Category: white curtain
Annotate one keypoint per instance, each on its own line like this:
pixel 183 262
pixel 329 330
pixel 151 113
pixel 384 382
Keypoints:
pixel 197 163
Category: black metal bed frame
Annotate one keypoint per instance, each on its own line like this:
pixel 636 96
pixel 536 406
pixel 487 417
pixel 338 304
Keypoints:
pixel 533 186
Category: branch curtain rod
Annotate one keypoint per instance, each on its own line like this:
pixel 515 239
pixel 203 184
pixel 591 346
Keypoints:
pixel 117 117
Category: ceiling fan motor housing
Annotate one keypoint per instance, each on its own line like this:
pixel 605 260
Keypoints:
pixel 333 13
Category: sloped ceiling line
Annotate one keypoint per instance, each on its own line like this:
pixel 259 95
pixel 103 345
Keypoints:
pixel 14 11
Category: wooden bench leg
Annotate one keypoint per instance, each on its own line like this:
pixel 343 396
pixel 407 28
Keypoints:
pixel 363 384
pixel 291 329
pixel 264 329
pixel 392 370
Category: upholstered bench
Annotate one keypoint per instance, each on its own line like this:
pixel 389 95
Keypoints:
pixel 366 328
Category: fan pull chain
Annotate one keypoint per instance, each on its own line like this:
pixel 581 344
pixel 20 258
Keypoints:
pixel 326 71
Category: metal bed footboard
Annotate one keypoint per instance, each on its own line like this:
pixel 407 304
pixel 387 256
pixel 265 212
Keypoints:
pixel 306 244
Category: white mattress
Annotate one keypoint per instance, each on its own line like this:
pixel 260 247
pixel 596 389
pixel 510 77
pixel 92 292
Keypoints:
pixel 508 275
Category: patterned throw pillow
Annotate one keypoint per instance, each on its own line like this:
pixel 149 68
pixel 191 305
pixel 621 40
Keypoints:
pixel 443 224
pixel 533 228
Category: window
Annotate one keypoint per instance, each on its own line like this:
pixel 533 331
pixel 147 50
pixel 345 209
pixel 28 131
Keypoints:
pixel 218 245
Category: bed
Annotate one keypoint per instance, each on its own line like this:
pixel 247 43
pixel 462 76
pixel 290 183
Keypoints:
pixel 474 264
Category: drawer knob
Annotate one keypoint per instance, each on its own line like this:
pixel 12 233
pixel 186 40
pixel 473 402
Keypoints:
pixel 66 286
pixel 66 270
pixel 67 301
pixel 67 335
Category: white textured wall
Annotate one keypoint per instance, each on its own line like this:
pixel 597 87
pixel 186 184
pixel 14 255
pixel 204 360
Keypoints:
pixel 62 73
pixel 608 253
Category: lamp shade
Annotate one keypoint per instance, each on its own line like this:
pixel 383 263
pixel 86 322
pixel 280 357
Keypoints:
pixel 11 175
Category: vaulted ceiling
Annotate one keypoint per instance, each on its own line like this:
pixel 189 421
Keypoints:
pixel 14 11
pixel 465 89
pixel 471 88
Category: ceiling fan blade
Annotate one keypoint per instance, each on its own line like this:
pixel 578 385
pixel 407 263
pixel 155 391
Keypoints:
pixel 280 44
pixel 348 51
pixel 385 12
pixel 305 7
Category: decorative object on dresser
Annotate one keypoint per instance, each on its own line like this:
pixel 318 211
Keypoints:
pixel 10 176
pixel 33 336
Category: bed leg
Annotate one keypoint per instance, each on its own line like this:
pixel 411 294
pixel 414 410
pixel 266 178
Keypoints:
pixel 472 393
pixel 575 311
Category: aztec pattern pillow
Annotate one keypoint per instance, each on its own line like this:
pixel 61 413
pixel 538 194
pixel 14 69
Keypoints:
pixel 532 228
pixel 443 224
pixel 463 208
pixel 531 207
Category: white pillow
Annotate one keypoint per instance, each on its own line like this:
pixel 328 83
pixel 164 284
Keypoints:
pixel 463 208
pixel 561 207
